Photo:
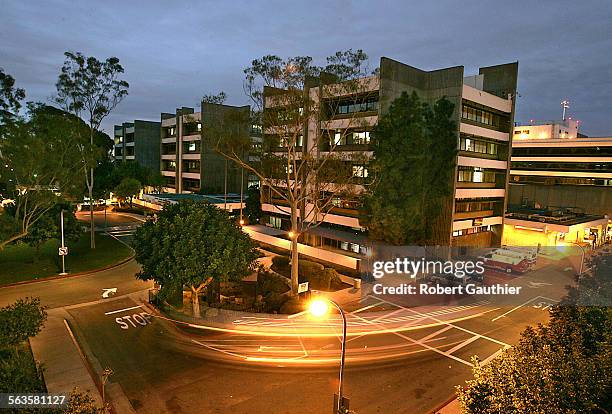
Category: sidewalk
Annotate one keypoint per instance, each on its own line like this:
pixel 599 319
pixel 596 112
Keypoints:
pixel 63 366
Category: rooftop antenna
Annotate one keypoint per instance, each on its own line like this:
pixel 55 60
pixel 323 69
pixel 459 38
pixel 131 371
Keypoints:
pixel 565 106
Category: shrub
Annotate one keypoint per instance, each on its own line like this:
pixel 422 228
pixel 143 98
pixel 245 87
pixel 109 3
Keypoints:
pixel 281 262
pixel 306 268
pixel 326 279
pixel 268 282
pixel 274 301
pixel 292 305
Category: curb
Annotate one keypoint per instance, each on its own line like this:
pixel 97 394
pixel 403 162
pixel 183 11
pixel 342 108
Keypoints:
pixel 89 272
pixel 444 404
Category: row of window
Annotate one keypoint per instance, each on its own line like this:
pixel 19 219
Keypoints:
pixel 563 151
pixel 471 230
pixel 475 175
pixel 352 105
pixel 343 137
pixel 470 206
pixel 191 166
pixel 484 117
pixel 561 180
pixel 563 166
pixel 473 144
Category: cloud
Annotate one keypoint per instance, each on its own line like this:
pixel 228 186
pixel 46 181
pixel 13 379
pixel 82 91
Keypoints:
pixel 175 52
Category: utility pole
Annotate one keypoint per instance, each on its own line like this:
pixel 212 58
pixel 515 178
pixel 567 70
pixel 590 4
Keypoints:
pixel 63 246
pixel 241 194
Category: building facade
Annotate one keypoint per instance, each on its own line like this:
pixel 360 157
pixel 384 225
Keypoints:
pixel 484 113
pixel 189 164
pixel 138 141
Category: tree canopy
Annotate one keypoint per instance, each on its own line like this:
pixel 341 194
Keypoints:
pixel 128 188
pixel 21 320
pixel 415 146
pixel 35 180
pixel 288 95
pixel 561 367
pixel 90 89
pixel 193 244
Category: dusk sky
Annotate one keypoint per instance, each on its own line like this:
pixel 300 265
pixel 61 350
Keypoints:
pixel 174 52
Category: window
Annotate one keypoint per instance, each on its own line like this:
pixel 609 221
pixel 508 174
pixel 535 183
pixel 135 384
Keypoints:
pixel 360 171
pixel 485 117
pixel 199 126
pixel 275 222
pixel 478 175
pixel 481 146
pixel 357 104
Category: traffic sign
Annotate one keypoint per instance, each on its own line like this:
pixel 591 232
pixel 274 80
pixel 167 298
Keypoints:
pixel 63 251
pixel 303 287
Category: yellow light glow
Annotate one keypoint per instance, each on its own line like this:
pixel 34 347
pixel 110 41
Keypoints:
pixel 242 222
pixel 319 308
pixel 291 234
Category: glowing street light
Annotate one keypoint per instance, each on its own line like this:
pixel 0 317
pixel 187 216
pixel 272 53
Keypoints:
pixel 318 308
pixel 241 222
pixel 291 234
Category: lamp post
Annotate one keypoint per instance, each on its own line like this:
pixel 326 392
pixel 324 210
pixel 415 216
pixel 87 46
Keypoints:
pixel 320 307
pixel 63 245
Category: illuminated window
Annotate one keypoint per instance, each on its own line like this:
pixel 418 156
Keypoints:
pixel 360 171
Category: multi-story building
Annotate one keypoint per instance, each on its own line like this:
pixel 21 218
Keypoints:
pixel 568 173
pixel 188 162
pixel 567 128
pixel 484 112
pixel 138 141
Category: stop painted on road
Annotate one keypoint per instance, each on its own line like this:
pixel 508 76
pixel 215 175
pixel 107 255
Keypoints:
pixel 135 320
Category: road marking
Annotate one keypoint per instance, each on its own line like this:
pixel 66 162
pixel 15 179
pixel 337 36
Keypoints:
pixel 108 292
pixel 462 344
pixel 142 319
pixel 122 310
pixel 520 306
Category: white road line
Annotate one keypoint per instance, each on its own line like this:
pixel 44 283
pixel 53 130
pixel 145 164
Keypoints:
pixel 122 310
pixel 366 308
pixel 518 307
pixel 453 325
pixel 428 337
pixel 462 344
pixel 424 345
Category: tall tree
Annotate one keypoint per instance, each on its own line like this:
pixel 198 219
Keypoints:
pixel 35 180
pixel 193 244
pixel 303 172
pixel 415 146
pixel 90 89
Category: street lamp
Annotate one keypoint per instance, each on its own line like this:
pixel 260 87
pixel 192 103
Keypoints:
pixel 318 308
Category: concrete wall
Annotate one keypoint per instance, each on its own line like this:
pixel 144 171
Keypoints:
pixel 212 164
pixel 147 144
pixel 395 78
pixel 593 199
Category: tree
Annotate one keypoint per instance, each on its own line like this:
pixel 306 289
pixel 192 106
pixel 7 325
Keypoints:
pixel 91 89
pixel 21 320
pixel 34 180
pixel 562 367
pixel 10 96
pixel 128 188
pixel 49 227
pixel 415 147
pixel 253 204
pixel 302 171
pixel 193 244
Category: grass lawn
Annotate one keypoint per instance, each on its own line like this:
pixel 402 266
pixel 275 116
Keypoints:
pixel 18 262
